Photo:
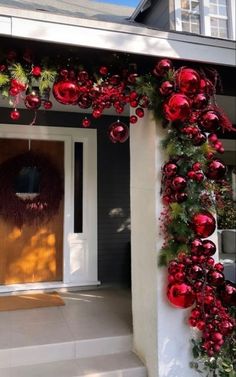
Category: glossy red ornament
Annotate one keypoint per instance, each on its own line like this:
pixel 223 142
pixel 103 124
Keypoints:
pixel 178 183
pixel 166 88
pixel 83 76
pixel 209 248
pixel 118 132
pixel 215 278
pixel 133 119
pixel 210 121
pixel 216 170
pixel 181 197
pixel 132 78
pixel 32 101
pixel 195 272
pixel 36 71
pixel 188 81
pixel 84 102
pixel 200 101
pixel 139 112
pixel 162 67
pixel 177 108
pixel 103 70
pixel 170 169
pixel 196 166
pixel 199 139
pixel 47 105
pixel 66 92
pixel 181 295
pixel 226 327
pixel 97 113
pixel 15 114
pixel 86 122
pixel 196 246
pixel 203 224
pixel 228 293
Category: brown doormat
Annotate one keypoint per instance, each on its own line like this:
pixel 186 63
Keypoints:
pixel 30 301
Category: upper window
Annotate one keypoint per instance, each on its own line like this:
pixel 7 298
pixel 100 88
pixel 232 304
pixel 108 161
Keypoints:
pixel 218 18
pixel 190 16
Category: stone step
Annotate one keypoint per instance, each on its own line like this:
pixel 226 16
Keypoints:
pixel 76 349
pixel 115 365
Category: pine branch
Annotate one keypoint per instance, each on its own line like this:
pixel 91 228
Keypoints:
pixel 4 79
pixel 18 73
pixel 46 79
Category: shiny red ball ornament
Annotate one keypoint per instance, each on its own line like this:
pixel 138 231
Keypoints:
pixel 181 295
pixel 86 122
pixel 228 294
pixel 209 248
pixel 66 92
pixel 200 101
pixel 226 327
pixel 188 81
pixel 178 183
pixel 162 67
pixel 139 112
pixel 170 169
pixel 36 71
pixel 118 132
pixel 103 70
pixel 181 197
pixel 216 170
pixel 196 246
pixel 210 121
pixel 47 105
pixel 196 166
pixel 132 78
pixel 215 278
pixel 203 224
pixel 32 101
pixel 83 76
pixel 166 88
pixel 177 108
pixel 133 119
pixel 97 113
pixel 199 139
pixel 15 114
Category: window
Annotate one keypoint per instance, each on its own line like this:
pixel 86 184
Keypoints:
pixel 190 16
pixel 218 18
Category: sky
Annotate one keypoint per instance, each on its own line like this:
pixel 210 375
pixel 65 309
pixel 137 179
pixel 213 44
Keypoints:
pixel 130 3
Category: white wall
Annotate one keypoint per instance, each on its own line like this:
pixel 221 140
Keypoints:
pixel 161 337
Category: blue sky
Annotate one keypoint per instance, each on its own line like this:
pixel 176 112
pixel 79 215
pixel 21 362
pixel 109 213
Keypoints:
pixel 131 3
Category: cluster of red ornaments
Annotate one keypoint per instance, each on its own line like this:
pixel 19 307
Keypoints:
pixel 194 278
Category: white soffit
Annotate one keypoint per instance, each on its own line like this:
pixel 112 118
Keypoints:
pixel 113 36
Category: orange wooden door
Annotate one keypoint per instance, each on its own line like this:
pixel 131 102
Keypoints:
pixel 32 253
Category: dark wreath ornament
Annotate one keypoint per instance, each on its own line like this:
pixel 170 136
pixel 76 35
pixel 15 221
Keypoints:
pixel 30 189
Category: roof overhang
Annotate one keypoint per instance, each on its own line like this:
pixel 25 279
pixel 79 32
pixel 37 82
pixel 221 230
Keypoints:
pixel 128 38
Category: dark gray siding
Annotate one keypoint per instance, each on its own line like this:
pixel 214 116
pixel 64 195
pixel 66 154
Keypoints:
pixel 157 15
pixel 113 193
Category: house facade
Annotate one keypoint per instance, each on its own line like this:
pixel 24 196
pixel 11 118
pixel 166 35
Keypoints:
pixel 118 180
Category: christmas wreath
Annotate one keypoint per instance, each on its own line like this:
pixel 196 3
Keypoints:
pixel 22 208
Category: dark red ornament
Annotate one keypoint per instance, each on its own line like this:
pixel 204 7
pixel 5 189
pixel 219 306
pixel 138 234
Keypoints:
pixel 47 105
pixel 103 70
pixel 203 224
pixel 210 121
pixel 188 81
pixel 181 197
pixel 166 88
pixel 66 92
pixel 170 169
pixel 118 132
pixel 181 295
pixel 209 248
pixel 86 122
pixel 177 108
pixel 178 183
pixel 200 101
pixel 133 119
pixel 228 293
pixel 215 278
pixel 162 67
pixel 216 170
pixel 33 101
pixel 139 112
pixel 36 71
pixel 196 246
pixel 15 114
pixel 199 139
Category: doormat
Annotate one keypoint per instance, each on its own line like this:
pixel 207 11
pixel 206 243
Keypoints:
pixel 30 301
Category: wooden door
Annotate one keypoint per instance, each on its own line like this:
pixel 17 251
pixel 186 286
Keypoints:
pixel 32 253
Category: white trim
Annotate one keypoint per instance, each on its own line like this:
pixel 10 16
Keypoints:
pixel 84 245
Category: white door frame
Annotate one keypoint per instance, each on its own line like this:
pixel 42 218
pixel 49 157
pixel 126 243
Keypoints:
pixel 79 249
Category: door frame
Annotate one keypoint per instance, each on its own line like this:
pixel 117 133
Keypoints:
pixel 79 249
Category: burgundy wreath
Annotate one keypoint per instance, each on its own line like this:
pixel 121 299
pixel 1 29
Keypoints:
pixel 36 209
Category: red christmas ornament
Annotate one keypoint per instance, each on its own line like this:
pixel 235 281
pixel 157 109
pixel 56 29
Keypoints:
pixel 181 295
pixel 215 170
pixel 215 278
pixel 103 70
pixel 163 67
pixel 118 132
pixel 199 139
pixel 132 78
pixel 209 248
pixel 188 81
pixel 177 108
pixel 83 76
pixel 36 71
pixel 210 121
pixel 203 224
pixel 196 246
pixel 200 101
pixel 170 169
pixel 86 122
pixel 66 92
pixel 47 105
pixel 166 88
pixel 84 102
pixel 15 114
pixel 97 113
pixel 133 119
pixel 181 197
pixel 33 101
pixel 139 112
pixel 228 293
pixel 178 183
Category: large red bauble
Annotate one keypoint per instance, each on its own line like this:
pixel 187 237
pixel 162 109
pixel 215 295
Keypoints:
pixel 118 132
pixel 66 92
pixel 170 169
pixel 210 121
pixel 228 294
pixel 178 183
pixel 203 224
pixel 209 248
pixel 181 295
pixel 162 67
pixel 216 170
pixel 177 107
pixel 188 81
pixel 166 88
pixel 32 101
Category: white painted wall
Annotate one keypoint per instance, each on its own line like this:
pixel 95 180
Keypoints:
pixel 161 337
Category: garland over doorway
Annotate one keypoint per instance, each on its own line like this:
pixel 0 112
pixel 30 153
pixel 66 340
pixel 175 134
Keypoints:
pixel 193 178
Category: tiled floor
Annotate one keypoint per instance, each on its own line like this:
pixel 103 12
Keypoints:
pixel 87 314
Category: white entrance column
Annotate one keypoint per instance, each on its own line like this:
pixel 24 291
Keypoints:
pixel 161 337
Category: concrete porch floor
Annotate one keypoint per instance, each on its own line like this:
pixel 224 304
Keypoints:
pixel 92 325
